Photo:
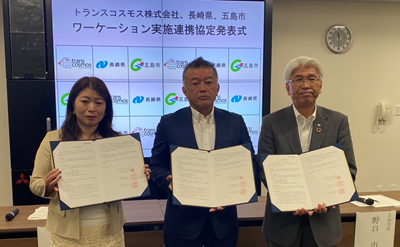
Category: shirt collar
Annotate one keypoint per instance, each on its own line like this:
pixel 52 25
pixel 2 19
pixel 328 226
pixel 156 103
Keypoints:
pixel 197 116
pixel 298 114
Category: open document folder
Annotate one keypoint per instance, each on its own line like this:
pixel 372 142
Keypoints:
pixel 308 179
pixel 98 171
pixel 212 178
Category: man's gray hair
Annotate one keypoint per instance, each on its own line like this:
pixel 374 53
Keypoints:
pixel 307 62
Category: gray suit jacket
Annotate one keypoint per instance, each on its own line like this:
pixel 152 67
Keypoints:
pixel 279 135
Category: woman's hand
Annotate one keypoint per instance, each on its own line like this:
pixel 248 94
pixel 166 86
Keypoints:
pixel 51 180
pixel 147 171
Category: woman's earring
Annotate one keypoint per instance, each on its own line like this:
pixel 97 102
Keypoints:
pixel 73 112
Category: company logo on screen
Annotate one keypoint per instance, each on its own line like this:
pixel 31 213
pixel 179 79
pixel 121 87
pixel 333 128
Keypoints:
pixel 117 99
pixel 238 98
pixel 140 99
pixel 64 99
pixel 220 100
pixel 237 65
pixel 171 99
pixel 220 65
pixel 174 64
pixel 68 63
pixel 252 131
pixel 144 132
pixel 123 132
pixel 137 64
pixel 101 64
pixel 104 64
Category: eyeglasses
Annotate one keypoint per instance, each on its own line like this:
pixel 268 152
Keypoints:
pixel 300 81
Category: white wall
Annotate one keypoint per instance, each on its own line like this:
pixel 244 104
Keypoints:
pixel 354 82
pixel 5 165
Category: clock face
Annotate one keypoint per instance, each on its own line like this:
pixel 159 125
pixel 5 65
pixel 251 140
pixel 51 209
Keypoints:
pixel 339 39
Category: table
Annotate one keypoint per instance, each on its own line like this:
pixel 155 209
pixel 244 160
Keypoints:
pixel 349 210
pixel 19 232
pixel 143 227
pixel 255 213
pixel 251 216
pixel 145 221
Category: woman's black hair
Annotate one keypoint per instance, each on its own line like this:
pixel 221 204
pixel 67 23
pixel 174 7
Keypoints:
pixel 70 128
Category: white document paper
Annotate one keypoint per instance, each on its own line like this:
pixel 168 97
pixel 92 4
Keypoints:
pixel 212 178
pixel 309 179
pixel 99 171
pixel 375 229
pixel 360 204
pixel 380 201
pixel 39 214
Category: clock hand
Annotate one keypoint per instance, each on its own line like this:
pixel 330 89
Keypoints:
pixel 338 42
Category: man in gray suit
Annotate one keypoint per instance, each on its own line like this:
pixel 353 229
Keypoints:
pixel 296 129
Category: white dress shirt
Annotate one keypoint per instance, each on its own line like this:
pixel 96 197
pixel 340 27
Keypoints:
pixel 204 129
pixel 305 128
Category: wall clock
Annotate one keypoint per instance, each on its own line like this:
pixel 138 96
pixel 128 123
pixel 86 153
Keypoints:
pixel 339 38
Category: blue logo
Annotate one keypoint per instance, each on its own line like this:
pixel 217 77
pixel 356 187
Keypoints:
pixel 101 64
pixel 138 100
pixel 236 98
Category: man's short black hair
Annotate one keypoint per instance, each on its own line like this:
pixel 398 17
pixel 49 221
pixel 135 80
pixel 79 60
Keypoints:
pixel 198 63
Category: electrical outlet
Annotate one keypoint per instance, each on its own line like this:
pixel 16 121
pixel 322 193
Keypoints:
pixel 393 186
pixel 379 187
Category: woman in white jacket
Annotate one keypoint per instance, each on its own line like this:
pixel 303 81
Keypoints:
pixel 89 116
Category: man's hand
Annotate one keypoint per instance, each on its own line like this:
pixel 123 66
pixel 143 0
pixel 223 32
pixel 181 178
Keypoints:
pixel 320 209
pixel 216 209
pixel 169 179
pixel 147 171
pixel 300 212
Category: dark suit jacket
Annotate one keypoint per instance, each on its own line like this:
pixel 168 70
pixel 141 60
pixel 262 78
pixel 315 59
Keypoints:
pixel 177 129
pixel 279 135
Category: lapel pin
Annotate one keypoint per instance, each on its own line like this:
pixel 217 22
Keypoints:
pixel 318 128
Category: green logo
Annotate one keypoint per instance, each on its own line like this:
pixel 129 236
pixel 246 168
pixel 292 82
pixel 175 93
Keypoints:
pixel 64 99
pixel 236 68
pixel 171 99
pixel 138 66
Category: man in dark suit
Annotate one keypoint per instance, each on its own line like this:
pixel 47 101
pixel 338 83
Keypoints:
pixel 299 128
pixel 200 126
